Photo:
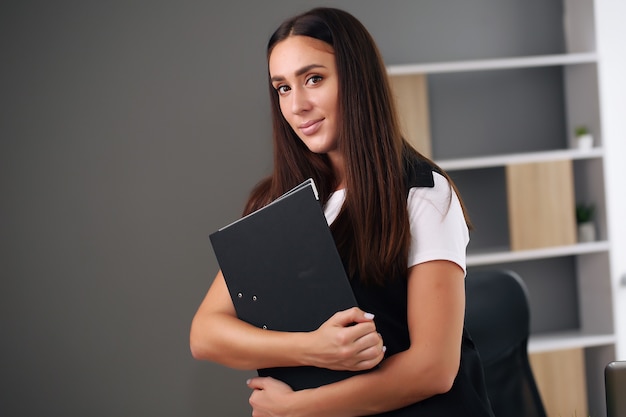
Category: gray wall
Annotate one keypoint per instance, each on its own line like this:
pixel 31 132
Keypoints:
pixel 128 132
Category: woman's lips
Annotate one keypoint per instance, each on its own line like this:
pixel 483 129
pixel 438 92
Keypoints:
pixel 311 127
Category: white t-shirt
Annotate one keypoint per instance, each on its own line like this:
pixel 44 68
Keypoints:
pixel 438 228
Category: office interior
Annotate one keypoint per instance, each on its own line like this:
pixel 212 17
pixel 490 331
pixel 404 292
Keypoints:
pixel 131 130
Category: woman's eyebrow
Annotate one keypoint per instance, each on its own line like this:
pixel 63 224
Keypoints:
pixel 299 72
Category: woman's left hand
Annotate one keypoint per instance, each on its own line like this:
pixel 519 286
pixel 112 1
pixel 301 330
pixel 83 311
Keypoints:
pixel 270 397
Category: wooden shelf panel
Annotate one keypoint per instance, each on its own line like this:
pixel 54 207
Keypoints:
pixel 519 158
pixel 540 197
pixel 560 378
pixel 505 255
pixel 493 64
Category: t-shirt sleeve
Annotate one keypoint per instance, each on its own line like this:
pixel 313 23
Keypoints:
pixel 438 228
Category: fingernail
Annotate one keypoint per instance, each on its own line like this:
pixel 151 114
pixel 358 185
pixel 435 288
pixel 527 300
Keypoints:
pixel 384 349
pixel 368 316
pixel 247 382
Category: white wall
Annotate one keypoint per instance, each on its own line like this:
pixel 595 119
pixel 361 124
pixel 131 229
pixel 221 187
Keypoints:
pixel 610 36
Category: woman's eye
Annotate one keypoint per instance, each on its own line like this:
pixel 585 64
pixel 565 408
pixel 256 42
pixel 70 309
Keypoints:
pixel 282 89
pixel 314 79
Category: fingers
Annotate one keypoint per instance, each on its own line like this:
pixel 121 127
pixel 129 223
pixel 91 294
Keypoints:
pixel 347 341
pixel 352 315
pixel 369 351
pixel 362 344
pixel 357 327
pixel 356 323
pixel 256 383
pixel 369 344
pixel 261 383
pixel 268 396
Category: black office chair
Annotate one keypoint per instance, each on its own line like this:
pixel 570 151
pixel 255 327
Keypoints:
pixel 498 320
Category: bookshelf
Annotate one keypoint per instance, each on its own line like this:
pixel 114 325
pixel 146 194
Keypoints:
pixel 570 283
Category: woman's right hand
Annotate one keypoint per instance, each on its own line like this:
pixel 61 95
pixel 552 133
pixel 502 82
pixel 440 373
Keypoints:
pixel 347 341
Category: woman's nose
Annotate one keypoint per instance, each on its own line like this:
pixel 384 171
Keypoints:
pixel 299 101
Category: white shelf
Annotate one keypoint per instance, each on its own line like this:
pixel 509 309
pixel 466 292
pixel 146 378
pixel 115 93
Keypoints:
pixel 493 64
pixel 567 340
pixel 518 158
pixel 496 257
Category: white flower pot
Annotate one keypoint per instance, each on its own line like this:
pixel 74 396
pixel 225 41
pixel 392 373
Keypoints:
pixel 586 232
pixel 584 142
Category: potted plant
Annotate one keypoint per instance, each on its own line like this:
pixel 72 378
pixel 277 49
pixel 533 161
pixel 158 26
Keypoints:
pixel 584 139
pixel 584 220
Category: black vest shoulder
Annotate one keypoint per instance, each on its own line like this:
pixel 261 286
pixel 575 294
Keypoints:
pixel 419 172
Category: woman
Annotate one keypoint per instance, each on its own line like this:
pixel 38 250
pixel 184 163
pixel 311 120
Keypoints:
pixel 398 224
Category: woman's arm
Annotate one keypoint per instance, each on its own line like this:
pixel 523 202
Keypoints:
pixel 218 335
pixel 436 305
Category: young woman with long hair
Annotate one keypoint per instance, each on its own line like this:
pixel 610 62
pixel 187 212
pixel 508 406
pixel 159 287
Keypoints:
pixel 399 226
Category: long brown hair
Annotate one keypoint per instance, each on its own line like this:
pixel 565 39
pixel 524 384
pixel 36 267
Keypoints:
pixel 372 230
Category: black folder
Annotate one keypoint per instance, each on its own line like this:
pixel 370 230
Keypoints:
pixel 284 273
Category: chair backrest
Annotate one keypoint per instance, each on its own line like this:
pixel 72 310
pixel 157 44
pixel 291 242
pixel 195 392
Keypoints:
pixel 498 320
pixel 615 383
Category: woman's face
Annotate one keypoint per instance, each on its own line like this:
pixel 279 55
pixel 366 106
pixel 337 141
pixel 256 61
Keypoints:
pixel 304 73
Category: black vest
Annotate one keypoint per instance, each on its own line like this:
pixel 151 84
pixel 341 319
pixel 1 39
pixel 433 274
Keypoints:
pixel 468 396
